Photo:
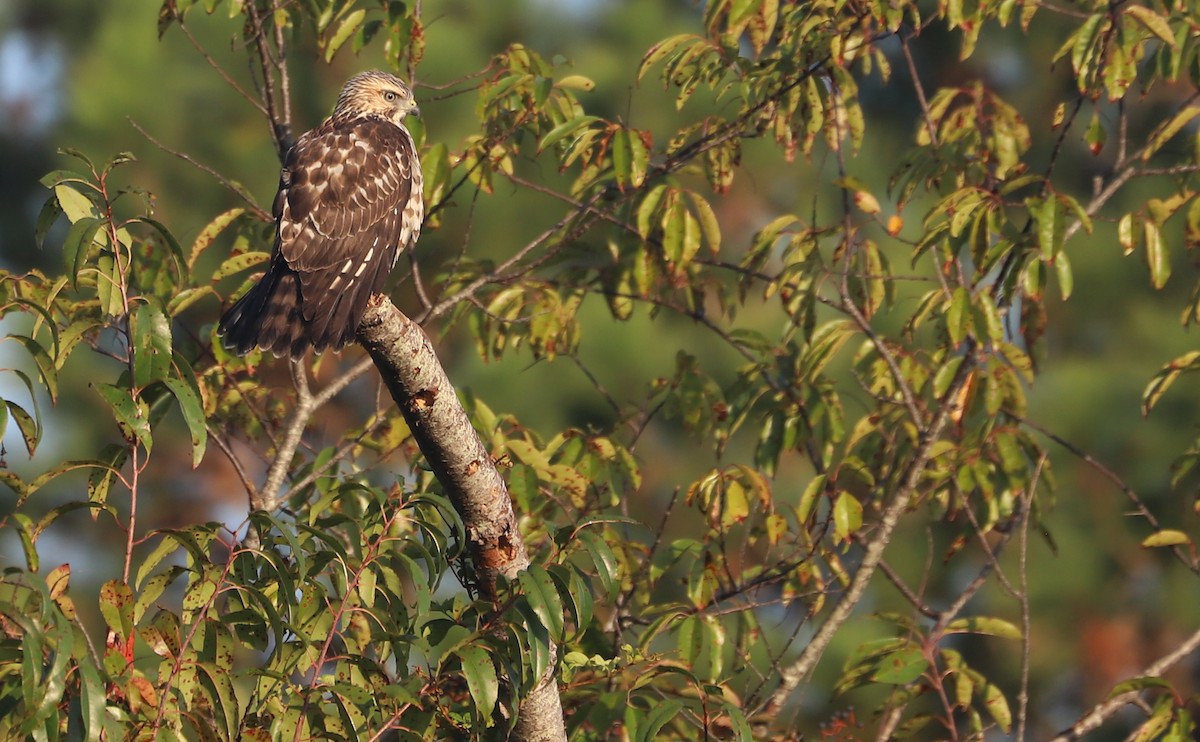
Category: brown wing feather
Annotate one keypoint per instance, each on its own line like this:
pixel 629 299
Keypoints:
pixel 349 202
pixel 339 181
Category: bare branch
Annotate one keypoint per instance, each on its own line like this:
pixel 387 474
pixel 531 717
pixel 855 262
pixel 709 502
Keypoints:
pixel 1099 713
pixel 1116 480
pixel 236 188
pixel 792 675
pixel 218 68
pixel 268 498
pixel 460 461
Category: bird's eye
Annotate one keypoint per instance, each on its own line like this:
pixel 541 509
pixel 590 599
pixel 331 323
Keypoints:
pixel 389 95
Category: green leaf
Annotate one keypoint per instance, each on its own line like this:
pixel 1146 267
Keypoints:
pixel 575 595
pixel 92 699
pixel 630 158
pixel 480 672
pixel 1066 280
pixel 1047 212
pixel 1156 254
pixel 536 642
pixel 900 667
pixel 29 427
pixel 563 130
pixel 210 233
pixel 54 177
pixel 132 417
pixel 674 228
pixel 186 298
pixel 217 684
pixel 116 605
pixel 648 209
pixel 172 243
pixel 662 49
pixel 74 204
pixel 45 366
pixel 738 723
pixel 984 625
pixel 639 159
pixel 958 316
pixel 1153 22
pixel 709 226
pixel 1139 684
pixel 603 559
pixel 770 443
pixel 46 219
pixel 150 337
pixel 808 499
pixel 77 246
pixel 1167 376
pixel 344 31
pixel 945 376
pixel 660 715
pixel 1125 234
pixel 108 465
pixel 54 684
pixel 239 263
pixel 166 546
pixel 108 285
pixel 997 705
pixel 187 394
pixel 847 515
pixel 543 598
pixel 823 345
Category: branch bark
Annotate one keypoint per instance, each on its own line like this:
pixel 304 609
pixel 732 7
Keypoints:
pixel 1100 713
pixel 419 385
pixel 792 675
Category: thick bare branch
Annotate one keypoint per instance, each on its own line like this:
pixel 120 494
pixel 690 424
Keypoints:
pixel 406 360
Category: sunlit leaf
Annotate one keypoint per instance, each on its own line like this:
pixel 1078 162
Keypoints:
pixel 984 625
pixel 344 31
pixel 1166 537
pixel 847 515
pixel 150 334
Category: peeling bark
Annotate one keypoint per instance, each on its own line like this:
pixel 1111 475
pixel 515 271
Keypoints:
pixel 419 385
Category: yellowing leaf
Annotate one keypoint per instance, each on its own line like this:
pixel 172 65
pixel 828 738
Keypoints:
pixel 1166 538
pixel 1156 254
pixel 847 516
pixel 74 204
pixel 1153 22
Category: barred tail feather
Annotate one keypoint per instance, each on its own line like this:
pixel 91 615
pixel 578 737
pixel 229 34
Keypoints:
pixel 338 303
pixel 268 316
pixel 288 312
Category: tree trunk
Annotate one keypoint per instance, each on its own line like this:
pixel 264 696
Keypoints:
pixel 419 385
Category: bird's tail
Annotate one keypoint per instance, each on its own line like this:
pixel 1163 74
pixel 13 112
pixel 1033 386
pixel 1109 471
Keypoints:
pixel 268 316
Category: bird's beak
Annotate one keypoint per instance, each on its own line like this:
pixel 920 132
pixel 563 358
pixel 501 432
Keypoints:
pixel 414 110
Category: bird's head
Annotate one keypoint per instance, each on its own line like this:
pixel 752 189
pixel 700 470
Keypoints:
pixel 376 93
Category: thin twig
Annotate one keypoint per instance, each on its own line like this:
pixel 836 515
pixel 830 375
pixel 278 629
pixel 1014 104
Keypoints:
pixel 791 676
pixel 898 582
pixel 215 436
pixel 268 497
pixel 231 186
pixel 218 68
pixel 1116 480
pixel 1099 713
pixel 920 90
pixel 1023 597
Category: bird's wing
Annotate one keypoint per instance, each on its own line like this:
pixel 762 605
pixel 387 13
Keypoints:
pixel 342 186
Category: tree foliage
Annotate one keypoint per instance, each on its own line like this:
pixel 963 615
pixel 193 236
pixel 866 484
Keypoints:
pixel 869 352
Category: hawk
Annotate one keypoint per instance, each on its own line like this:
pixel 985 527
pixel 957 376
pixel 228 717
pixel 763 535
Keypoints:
pixel 349 203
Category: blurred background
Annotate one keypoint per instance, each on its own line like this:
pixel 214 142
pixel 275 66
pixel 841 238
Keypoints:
pixel 81 74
